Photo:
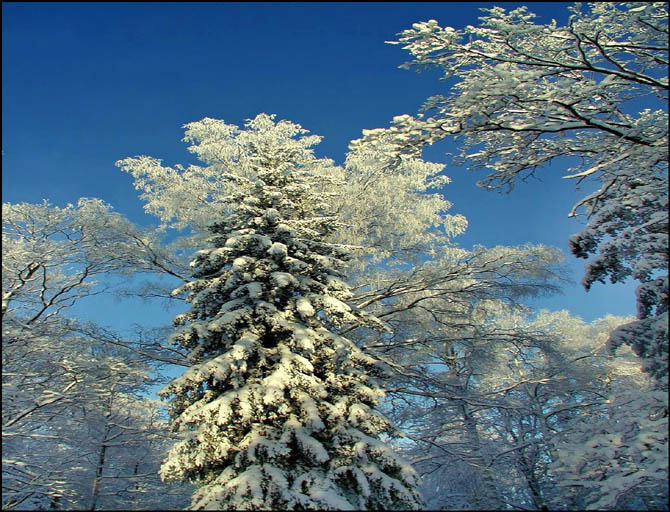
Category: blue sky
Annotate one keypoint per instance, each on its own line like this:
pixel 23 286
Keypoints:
pixel 86 84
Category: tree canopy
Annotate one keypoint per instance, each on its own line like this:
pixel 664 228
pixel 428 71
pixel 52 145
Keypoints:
pixel 592 96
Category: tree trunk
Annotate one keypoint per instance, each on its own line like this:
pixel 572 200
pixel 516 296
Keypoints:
pixel 95 492
pixel 487 499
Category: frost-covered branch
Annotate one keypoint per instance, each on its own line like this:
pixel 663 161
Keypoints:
pixel 527 95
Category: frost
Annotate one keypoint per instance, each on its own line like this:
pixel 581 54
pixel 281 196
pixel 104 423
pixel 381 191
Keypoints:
pixel 514 117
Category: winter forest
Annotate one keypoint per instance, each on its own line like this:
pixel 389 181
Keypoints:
pixel 334 347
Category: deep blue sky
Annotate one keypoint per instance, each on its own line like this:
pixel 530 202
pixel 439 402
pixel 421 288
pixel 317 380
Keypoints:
pixel 86 84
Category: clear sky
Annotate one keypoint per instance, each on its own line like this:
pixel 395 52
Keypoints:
pixel 86 84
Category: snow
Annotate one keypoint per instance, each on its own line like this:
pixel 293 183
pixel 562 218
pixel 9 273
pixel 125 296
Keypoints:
pixel 333 305
pixel 358 412
pixel 304 337
pixel 331 500
pixel 312 419
pixel 254 290
pixel 232 241
pixel 283 279
pixel 239 264
pixel 229 319
pixel 275 386
pixel 304 307
pixel 278 250
pixel 285 229
pixel 271 215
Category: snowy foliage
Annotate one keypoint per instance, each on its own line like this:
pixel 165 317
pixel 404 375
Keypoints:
pixel 616 458
pixel 75 433
pixel 488 398
pixel 394 213
pixel 444 315
pixel 277 410
pixel 383 214
pixel 526 95
pixel 51 256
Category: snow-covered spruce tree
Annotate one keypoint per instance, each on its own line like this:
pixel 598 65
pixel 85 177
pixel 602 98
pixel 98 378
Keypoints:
pixel 278 410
